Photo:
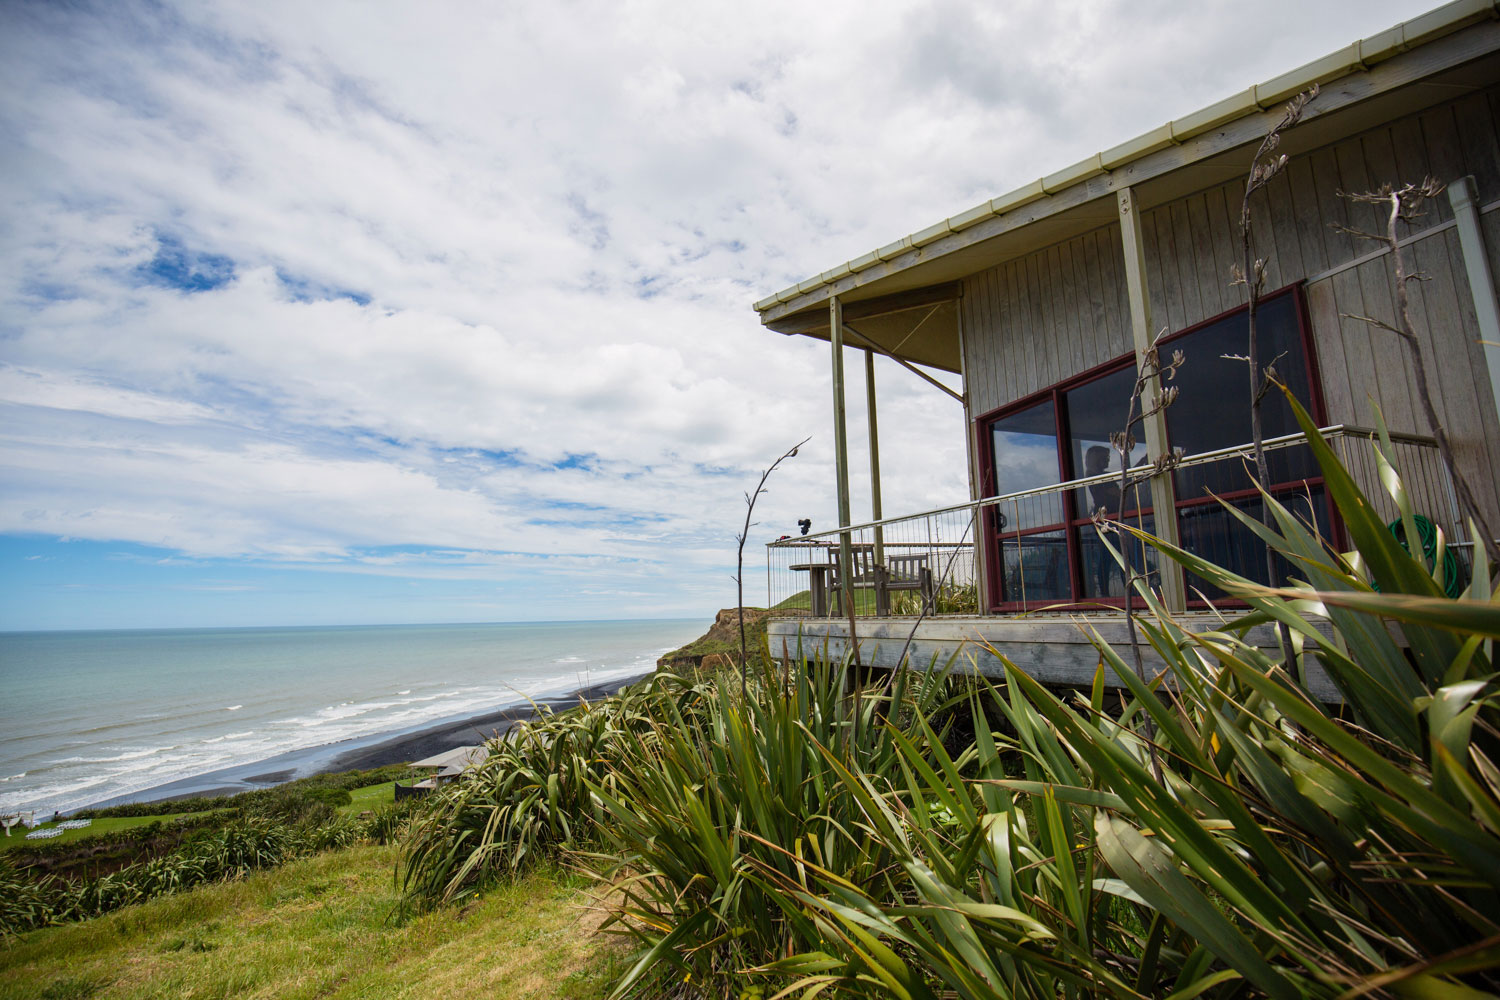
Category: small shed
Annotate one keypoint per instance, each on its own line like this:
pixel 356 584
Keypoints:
pixel 449 764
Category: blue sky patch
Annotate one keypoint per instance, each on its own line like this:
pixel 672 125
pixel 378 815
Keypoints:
pixel 588 462
pixel 301 289
pixel 176 266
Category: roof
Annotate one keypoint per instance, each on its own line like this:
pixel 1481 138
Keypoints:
pixel 909 288
pixel 458 757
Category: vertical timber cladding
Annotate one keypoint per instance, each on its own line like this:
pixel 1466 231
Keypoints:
pixel 1038 319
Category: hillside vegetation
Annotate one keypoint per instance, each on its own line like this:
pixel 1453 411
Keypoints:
pixel 132 853
pixel 323 927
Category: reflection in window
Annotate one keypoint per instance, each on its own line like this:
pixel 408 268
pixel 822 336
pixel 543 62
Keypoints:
pixel 1048 549
pixel 1024 446
pixel 1095 410
pixel 1103 575
pixel 1210 531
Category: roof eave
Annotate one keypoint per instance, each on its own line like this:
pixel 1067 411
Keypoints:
pixel 1239 119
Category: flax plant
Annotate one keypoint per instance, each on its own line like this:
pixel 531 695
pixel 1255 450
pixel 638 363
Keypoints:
pixel 532 797
pixel 798 842
pixel 1295 849
pixel 716 820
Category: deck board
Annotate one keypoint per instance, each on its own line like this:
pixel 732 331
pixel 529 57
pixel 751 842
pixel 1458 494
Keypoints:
pixel 1053 649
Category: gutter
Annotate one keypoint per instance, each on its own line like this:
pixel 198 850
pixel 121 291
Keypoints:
pixel 1355 57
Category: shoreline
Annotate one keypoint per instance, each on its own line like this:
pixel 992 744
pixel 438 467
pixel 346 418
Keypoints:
pixel 363 752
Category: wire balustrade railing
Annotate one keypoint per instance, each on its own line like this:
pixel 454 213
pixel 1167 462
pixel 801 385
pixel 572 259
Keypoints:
pixel 1038 548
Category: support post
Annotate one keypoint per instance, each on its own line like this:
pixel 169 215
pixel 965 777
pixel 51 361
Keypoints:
pixel 1481 280
pixel 1142 330
pixel 971 446
pixel 841 454
pixel 878 565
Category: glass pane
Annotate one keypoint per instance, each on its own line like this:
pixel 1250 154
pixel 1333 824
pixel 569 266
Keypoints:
pixel 1025 450
pixel 1034 568
pixel 1210 531
pixel 1283 465
pixel 1213 403
pixel 1095 411
pixel 1102 575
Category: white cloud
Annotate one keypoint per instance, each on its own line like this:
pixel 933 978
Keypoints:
pixel 480 276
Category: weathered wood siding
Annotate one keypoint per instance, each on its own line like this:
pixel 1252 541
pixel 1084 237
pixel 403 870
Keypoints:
pixel 1036 320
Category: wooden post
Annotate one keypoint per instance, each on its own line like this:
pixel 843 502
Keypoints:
pixel 1163 494
pixel 1481 281
pixel 841 453
pixel 971 445
pixel 878 567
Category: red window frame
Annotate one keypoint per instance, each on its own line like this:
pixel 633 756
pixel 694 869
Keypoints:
pixel 1071 524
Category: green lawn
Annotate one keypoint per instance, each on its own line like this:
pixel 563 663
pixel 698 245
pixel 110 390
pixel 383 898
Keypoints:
pixel 324 927
pixel 864 602
pixel 110 824
pixel 370 797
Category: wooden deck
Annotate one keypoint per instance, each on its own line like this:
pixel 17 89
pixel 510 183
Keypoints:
pixel 1053 648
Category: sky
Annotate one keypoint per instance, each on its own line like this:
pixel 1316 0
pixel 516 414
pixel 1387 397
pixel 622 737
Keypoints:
pixel 347 313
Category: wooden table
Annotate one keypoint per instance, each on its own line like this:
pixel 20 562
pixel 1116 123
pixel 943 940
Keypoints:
pixel 817 586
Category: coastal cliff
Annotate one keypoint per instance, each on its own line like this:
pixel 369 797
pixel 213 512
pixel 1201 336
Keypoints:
pixel 720 645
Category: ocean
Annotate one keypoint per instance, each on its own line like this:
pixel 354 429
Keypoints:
pixel 87 717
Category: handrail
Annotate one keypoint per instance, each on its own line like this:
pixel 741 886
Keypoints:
pixel 1190 461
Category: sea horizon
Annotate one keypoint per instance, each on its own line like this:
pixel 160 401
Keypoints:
pixel 95 715
pixel 338 625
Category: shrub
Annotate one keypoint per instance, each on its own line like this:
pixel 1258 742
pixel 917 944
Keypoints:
pixel 232 852
pixel 387 823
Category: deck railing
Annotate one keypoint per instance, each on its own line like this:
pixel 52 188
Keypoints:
pixel 935 561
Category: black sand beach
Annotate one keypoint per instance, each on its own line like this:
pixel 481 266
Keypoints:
pixel 365 752
pixel 475 729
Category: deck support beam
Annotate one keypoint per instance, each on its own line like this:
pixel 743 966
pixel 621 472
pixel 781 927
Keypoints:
pixel 1142 330
pixel 841 449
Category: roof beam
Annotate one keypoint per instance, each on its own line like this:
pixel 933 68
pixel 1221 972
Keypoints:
pixel 816 321
pixel 872 345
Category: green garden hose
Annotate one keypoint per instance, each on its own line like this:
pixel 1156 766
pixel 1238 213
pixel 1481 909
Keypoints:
pixel 1427 534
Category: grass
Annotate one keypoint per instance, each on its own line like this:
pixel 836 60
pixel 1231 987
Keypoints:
pixel 369 797
pixel 99 827
pixel 864 602
pixel 324 927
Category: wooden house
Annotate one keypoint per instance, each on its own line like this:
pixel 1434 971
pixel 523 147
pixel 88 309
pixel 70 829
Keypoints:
pixel 1045 300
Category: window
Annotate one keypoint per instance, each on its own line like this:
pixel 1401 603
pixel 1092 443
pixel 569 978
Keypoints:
pixel 1025 448
pixel 1047 549
pixel 1033 562
pixel 1096 410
